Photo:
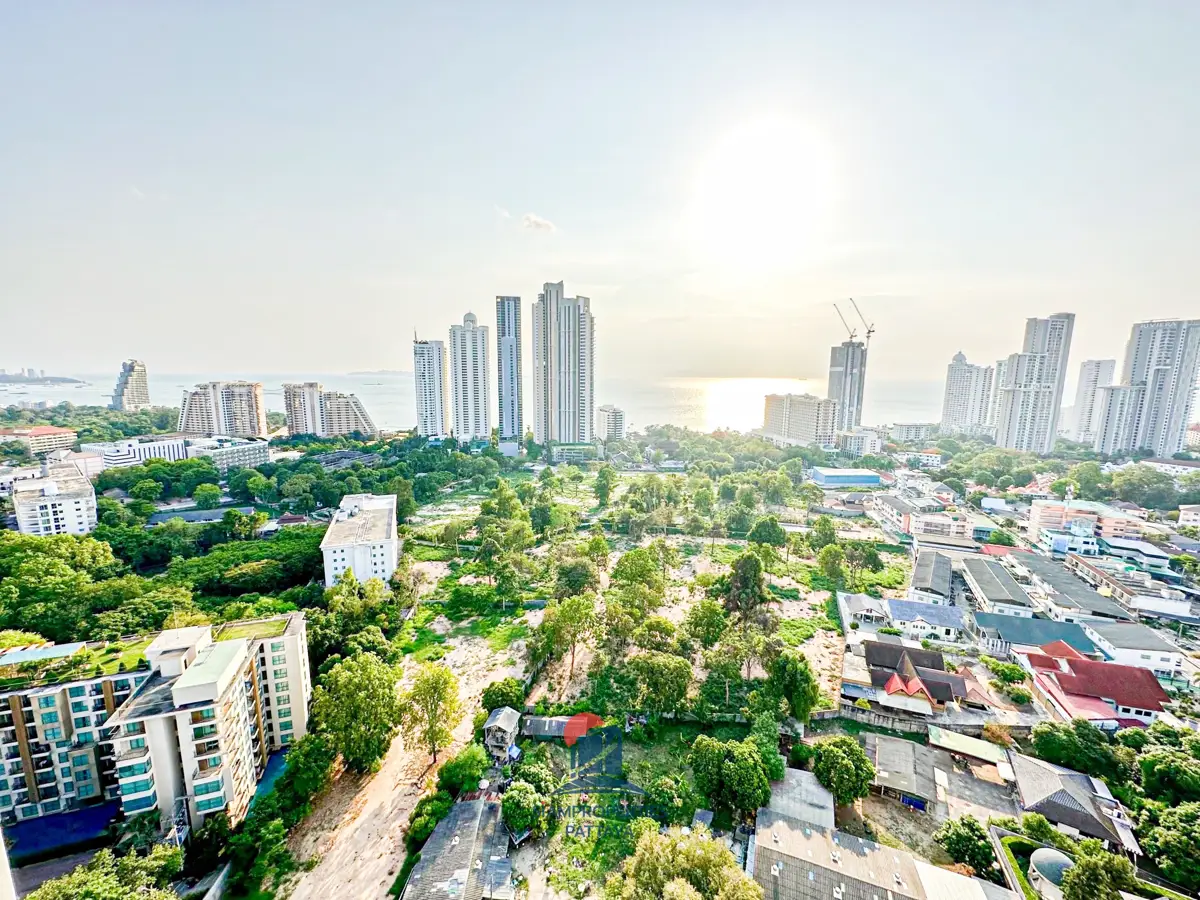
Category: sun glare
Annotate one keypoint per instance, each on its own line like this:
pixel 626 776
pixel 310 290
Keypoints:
pixel 762 196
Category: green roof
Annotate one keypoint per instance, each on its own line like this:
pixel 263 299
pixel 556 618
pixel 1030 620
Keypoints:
pixel 255 630
pixel 967 746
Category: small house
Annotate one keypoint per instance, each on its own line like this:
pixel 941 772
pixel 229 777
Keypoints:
pixel 500 731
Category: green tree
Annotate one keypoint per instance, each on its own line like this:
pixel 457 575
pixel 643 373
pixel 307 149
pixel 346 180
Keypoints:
pixel 523 808
pixel 842 766
pixel 463 771
pixel 1145 486
pixel 576 576
pixel 730 774
pixel 570 622
pixel 107 877
pixel 655 633
pixel 1099 876
pixel 639 566
pixel 747 497
pixel 663 681
pixel 1002 538
pixel 1078 745
pixel 705 622
pixel 679 866
pixel 967 842
pixel 767 530
pixel 1170 837
pixel 861 556
pixel 743 591
pixel 357 707
pixel 823 533
pixel 765 734
pixel 810 495
pixel 792 678
pixel 431 707
pixel 508 692
pixel 147 489
pixel 606 480
pixel 207 496
pixel 831 561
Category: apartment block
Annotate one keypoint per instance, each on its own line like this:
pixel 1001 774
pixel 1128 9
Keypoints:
pixel 40 438
pixel 564 348
pixel 234 408
pixel 909 432
pixel 470 380
pixel 799 419
pixel 361 538
pixel 1030 391
pixel 508 361
pixel 429 381
pixel 1093 375
pixel 1104 520
pixel 968 395
pixel 132 392
pixel 610 423
pixel 313 410
pixel 136 451
pixel 858 442
pixel 59 500
pixel 847 382
pixel 230 452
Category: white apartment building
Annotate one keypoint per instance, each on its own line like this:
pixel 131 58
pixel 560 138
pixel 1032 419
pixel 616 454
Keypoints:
pixel 1134 644
pixel 998 377
pixel 564 344
pixel 610 423
pixel 847 381
pixel 1031 393
pixel 40 438
pixel 362 538
pixel 470 381
pixel 136 451
pixel 1093 375
pixel 313 410
pixel 508 373
pixel 229 452
pixel 1152 407
pixel 429 379
pixel 132 393
pixel 234 408
pixel 1176 468
pixel 920 459
pixel 968 395
pixel 859 442
pixel 799 420
pixel 72 737
pixel 911 432
pixel 60 500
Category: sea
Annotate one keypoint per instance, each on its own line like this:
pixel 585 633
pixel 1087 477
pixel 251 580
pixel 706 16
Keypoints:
pixel 704 404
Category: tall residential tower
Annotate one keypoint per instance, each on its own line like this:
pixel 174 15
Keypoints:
pixel 429 371
pixel 1030 395
pixel 1093 374
pixel 847 379
pixel 470 380
pixel 233 408
pixel 313 410
pixel 968 396
pixel 132 393
pixel 563 367
pixel 508 374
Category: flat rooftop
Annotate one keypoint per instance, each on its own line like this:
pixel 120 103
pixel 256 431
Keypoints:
pixel 153 698
pixel 995 582
pixel 1132 636
pixel 368 523
pixel 1070 590
pixel 212 662
pixel 255 630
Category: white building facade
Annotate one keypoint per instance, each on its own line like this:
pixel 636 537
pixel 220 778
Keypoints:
pixel 234 408
pixel 610 423
pixel 60 500
pixel 136 451
pixel 362 539
pixel 1031 393
pixel 470 381
pixel 799 420
pixel 1093 375
pixel 508 368
pixel 968 395
pixel 429 371
pixel 313 410
pixel 563 367
pixel 132 393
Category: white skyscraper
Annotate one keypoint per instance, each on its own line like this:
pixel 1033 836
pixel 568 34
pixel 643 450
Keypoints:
pixel 563 367
pixel 132 393
pixel 429 370
pixel 313 410
pixel 998 375
pixel 508 360
pixel 610 423
pixel 968 395
pixel 470 380
pixel 1152 406
pixel 1031 393
pixel 847 379
pixel 1093 374
pixel 233 408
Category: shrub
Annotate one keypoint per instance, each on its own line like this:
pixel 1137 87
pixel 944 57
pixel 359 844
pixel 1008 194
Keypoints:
pixel 508 692
pixel 464 770
pixel 799 755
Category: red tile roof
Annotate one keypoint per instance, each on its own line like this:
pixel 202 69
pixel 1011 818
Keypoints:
pixel 896 685
pixel 1061 650
pixel 1085 678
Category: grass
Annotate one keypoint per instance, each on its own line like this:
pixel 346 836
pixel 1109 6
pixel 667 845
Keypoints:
pixel 269 628
pixel 1020 865
pixel 586 856
pixel 417 639
pixel 423 553
pixel 410 862
pixel 854 727
pixel 795 632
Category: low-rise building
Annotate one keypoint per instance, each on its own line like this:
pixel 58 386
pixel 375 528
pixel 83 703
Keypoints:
pixel 1003 636
pixel 924 459
pixel 1058 542
pixel 1133 588
pixel 791 420
pixel 1176 468
pixel 994 588
pixel 1060 593
pixel 465 857
pixel 574 452
pixel 1189 515
pixel 863 609
pixel 230 452
pixel 893 513
pixel 912 432
pixel 40 438
pixel 932 578
pixel 1108 695
pixel 920 621
pixel 59 500
pixel 1104 520
pixel 1139 554
pixel 834 478
pixel 610 423
pixel 136 451
pixel 361 538
pixel 1134 644
pixel 858 442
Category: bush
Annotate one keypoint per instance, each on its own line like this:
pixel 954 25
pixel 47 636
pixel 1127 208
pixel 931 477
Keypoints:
pixel 428 812
pixel 889 630
pixel 508 692
pixel 967 842
pixel 464 770
pixel 997 733
pixel 523 808
pixel 1006 673
pixel 1018 695
pixel 862 703
pixel 799 755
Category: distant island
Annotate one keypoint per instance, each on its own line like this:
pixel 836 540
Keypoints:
pixel 40 379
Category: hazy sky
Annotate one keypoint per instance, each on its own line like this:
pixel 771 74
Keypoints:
pixel 296 186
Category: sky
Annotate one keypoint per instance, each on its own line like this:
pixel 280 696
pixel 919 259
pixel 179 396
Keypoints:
pixel 299 186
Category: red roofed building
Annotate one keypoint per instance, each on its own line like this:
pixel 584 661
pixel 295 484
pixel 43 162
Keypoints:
pixel 40 438
pixel 1108 695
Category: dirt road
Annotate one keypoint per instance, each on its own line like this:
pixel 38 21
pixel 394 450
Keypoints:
pixel 356 830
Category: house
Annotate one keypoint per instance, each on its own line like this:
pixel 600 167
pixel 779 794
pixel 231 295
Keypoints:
pixel 1132 508
pixel 926 620
pixel 994 588
pixel 1060 593
pixel 544 728
pixel 931 578
pixel 1108 695
pixel 1077 804
pixel 899 677
pixel 1141 554
pixel 466 857
pixel 500 731
pixel 793 860
pixel 1002 635
pixel 1133 644
pixel 903 769
pixel 893 514
pixel 863 608
pixel 1104 520
pixel 1189 514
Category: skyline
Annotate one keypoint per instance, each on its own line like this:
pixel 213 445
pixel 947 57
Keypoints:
pixel 254 201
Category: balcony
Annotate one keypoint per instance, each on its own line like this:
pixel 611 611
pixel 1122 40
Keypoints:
pixel 132 753
pixel 208 774
pixel 204 766
pixel 207 748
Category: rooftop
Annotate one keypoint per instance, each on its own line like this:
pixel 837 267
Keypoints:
pixel 211 663
pixel 902 765
pixel 802 797
pixel 37 430
pixel 1070 590
pixel 198 515
pixel 64 480
pixel 989 577
pixel 1035 632
pixel 953 742
pixel 153 698
pixel 254 630
pixel 1073 677
pixel 1185 463
pixel 1143 547
pixel 854 473
pixel 1093 507
pixel 1067 797
pixel 1132 636
pixel 932 573
pixel 463 857
pixel 362 519
pixel 933 613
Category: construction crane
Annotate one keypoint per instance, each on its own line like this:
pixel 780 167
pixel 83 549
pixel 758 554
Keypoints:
pixel 845 324
pixel 870 328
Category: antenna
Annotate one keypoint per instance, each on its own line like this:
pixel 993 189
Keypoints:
pixel 870 328
pixel 845 324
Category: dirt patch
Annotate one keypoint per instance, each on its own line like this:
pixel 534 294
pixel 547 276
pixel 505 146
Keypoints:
pixel 914 830
pixel 433 572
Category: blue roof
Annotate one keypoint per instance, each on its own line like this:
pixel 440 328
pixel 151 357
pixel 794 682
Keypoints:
pixel 38 654
pixel 1035 632
pixel 933 613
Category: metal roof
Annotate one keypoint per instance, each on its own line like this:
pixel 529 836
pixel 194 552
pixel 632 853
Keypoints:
pixel 933 613
pixel 1132 636
pixel 1070 590
pixel 40 654
pixel 932 573
pixel 954 742
pixel 995 582
pixel 1035 632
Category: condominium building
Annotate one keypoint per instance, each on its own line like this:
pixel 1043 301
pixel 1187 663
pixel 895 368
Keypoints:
pixel 181 722
pixel 1104 520
pixel 610 423
pixel 60 500
pixel 508 360
pixel 1032 389
pixel 429 379
pixel 132 393
pixel 1152 407
pixel 799 420
pixel 563 367
pixel 233 408
pixel 911 432
pixel 1093 375
pixel 859 442
pixel 1000 373
pixel 313 410
pixel 136 451
pixel 40 438
pixel 968 395
pixel 847 380
pixel 361 538
pixel 470 381
pixel 229 452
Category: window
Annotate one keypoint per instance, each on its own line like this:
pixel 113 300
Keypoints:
pixel 62 757
pixel 142 803
pixel 211 803
pixel 50 806
pixel 83 775
pixel 85 790
pixel 279 660
pixel 280 673
pixel 281 687
pixel 137 743
pixel 285 713
pixel 53 734
pixel 66 772
pixel 136 769
pixel 77 691
pixel 137 787
pixel 276 646
pixel 210 787
pixel 5 801
pixel 46 702
pixel 85 737
pixel 285 726
pixel 79 706
pixel 283 699
pixel 285 739
pixel 82 721
pixel 49 718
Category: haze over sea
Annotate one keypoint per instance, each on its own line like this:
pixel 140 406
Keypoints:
pixel 700 403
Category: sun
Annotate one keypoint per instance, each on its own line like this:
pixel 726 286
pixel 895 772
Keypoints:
pixel 762 196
